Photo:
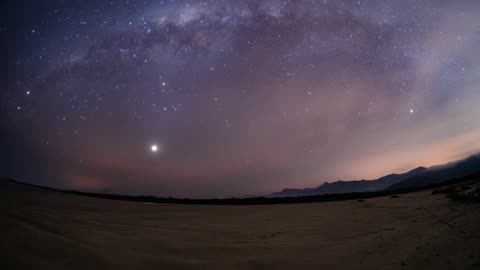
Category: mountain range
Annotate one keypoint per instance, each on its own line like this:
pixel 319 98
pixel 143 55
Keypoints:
pixel 417 177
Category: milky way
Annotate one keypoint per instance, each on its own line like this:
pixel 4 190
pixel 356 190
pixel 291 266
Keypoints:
pixel 228 98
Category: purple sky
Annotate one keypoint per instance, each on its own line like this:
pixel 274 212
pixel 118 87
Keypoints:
pixel 239 97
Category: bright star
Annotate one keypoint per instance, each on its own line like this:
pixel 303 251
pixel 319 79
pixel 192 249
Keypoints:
pixel 154 148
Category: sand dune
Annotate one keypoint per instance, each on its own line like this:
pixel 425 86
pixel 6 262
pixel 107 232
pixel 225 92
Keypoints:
pixel 50 230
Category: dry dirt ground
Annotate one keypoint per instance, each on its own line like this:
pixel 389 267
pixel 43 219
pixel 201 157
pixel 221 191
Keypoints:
pixel 48 230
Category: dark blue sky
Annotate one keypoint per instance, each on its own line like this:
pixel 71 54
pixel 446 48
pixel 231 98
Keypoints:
pixel 221 98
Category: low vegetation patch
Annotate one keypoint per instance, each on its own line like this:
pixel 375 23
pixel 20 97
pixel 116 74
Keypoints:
pixel 460 193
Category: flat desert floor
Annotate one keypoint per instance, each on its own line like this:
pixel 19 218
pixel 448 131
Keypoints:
pixel 49 230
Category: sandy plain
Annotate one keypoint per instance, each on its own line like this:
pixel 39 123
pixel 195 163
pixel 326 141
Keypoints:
pixel 43 229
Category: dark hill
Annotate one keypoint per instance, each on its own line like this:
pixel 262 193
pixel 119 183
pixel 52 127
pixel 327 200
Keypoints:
pixel 351 186
pixel 440 174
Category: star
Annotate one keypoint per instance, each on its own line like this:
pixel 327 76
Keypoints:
pixel 154 148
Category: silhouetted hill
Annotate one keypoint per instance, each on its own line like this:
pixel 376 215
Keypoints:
pixel 438 174
pixel 420 178
pixel 253 200
pixel 351 186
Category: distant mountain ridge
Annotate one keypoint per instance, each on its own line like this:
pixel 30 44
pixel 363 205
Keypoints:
pixel 438 174
pixel 417 177
pixel 351 186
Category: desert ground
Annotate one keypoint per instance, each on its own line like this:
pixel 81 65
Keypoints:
pixel 43 229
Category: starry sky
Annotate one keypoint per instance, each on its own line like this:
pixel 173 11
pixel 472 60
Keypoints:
pixel 234 97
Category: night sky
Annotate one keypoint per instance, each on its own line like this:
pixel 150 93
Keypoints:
pixel 230 98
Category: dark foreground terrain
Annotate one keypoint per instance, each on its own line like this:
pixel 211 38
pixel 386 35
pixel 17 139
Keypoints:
pixel 430 229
